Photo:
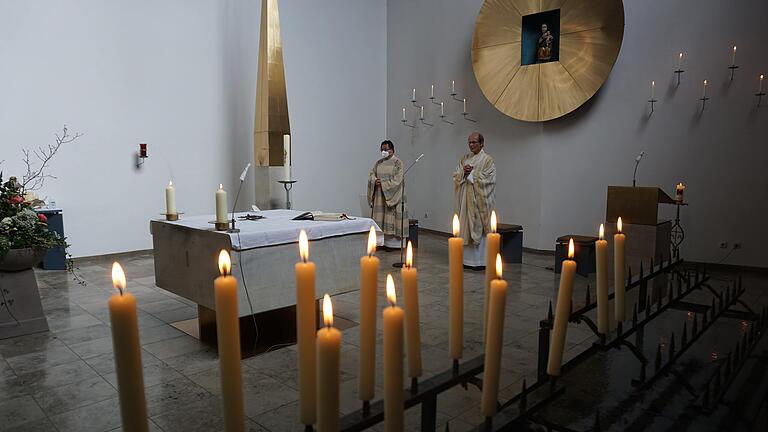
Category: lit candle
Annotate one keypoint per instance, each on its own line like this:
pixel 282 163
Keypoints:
pixel 221 205
pixel 328 361
pixel 619 265
pixel 494 342
pixel 170 199
pixel 403 113
pixel 432 92
pixel 411 297
pixel 453 87
pixel 680 62
pixel 369 271
pixel 287 156
pixel 492 244
pixel 228 336
pixel 760 84
pixel 465 106
pixel 305 331
pixel 562 313
pixel 456 292
pixel 393 362
pixel 733 56
pixel 704 94
pixel 601 258
pixel 442 109
pixel 125 343
pixel 653 89
pixel 413 98
pixel 679 191
pixel 421 116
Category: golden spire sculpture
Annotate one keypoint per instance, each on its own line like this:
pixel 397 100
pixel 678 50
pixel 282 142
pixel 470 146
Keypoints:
pixel 271 121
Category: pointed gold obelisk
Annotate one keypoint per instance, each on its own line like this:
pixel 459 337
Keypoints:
pixel 271 121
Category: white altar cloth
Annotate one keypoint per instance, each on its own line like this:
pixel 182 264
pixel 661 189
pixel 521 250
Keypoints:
pixel 278 228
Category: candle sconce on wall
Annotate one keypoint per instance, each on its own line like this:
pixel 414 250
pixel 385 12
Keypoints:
pixel 442 114
pixel 679 71
pixel 704 98
pixel 432 94
pixel 733 65
pixel 760 93
pixel 653 100
pixel 141 156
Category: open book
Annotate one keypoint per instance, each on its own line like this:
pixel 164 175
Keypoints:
pixel 322 216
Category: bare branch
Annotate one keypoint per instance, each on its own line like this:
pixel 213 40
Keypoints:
pixel 35 177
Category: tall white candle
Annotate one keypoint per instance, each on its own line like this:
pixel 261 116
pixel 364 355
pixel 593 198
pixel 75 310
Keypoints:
pixel 680 61
pixel 562 314
pixel 413 98
pixel 221 205
pixel 305 332
pixel 432 91
pixel 494 342
pixel 453 87
pixel 653 89
pixel 170 199
pixel 421 116
pixel 328 367
pixel 442 109
pixel 704 94
pixel 403 114
pixel 287 156
pixel 465 106
pixel 393 320
pixel 619 268
pixel 760 84
pixel 733 57
pixel 601 258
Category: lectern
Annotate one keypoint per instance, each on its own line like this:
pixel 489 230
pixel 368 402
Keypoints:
pixel 635 205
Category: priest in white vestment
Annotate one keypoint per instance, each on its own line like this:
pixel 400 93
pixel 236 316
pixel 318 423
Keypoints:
pixel 385 196
pixel 474 199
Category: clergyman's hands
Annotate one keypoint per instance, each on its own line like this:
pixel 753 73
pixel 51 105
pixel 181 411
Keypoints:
pixel 467 169
pixel 378 182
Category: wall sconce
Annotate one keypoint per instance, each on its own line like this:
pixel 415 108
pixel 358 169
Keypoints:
pixel 142 155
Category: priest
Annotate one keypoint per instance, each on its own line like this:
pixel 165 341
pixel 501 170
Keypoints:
pixel 385 196
pixel 474 199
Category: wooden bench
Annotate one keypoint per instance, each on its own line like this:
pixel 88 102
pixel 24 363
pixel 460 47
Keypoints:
pixel 583 250
pixel 511 242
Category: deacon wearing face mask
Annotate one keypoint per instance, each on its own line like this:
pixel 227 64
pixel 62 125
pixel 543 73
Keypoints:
pixel 474 199
pixel 385 194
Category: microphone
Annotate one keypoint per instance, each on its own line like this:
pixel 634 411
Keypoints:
pixel 637 162
pixel 242 179
pixel 419 158
pixel 245 172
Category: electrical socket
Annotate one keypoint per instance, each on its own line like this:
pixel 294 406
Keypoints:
pixel 737 245
pixel 724 245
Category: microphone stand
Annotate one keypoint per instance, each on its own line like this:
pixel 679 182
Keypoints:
pixel 237 195
pixel 634 175
pixel 401 264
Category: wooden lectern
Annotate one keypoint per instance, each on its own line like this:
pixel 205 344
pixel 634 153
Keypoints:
pixel 635 205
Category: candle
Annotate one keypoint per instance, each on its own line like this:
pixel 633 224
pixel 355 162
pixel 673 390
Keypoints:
pixel 221 205
pixel 492 242
pixel 228 336
pixel 562 313
pixel 442 109
pixel 465 106
pixel 403 113
pixel 453 87
pixel 653 89
pixel 413 98
pixel 733 56
pixel 393 362
pixel 494 342
pixel 411 297
pixel 619 264
pixel 369 270
pixel 421 116
pixel 760 84
pixel 456 292
pixel 287 156
pixel 601 258
pixel 170 199
pixel 328 361
pixel 679 191
pixel 432 92
pixel 704 94
pixel 680 62
pixel 305 331
pixel 125 343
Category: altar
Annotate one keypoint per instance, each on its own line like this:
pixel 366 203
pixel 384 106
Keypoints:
pixel 263 256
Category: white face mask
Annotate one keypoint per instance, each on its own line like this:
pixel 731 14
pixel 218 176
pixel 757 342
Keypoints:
pixel 384 153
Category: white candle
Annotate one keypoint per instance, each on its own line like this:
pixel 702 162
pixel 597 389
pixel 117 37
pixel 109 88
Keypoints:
pixel 562 314
pixel 369 270
pixel 456 292
pixel 653 89
pixel 287 156
pixel 442 109
pixel 421 116
pixel 403 114
pixel 453 87
pixel 393 318
pixel 221 205
pixel 760 84
pixel 170 199
pixel 305 332
pixel 411 297
pixel 328 367
pixel 494 342
pixel 704 94
pixel 432 91
pixel 680 62
pixel 619 268
pixel 733 57
pixel 601 256
pixel 465 106
pixel 413 98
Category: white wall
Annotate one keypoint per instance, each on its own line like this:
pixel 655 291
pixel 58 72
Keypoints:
pixel 553 176
pixel 180 75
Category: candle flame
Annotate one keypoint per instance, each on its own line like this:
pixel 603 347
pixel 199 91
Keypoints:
pixel 327 310
pixel 456 225
pixel 681 55
pixel 371 241
pixel 225 263
pixel 118 277
pixel 734 48
pixel 170 183
pixel 705 82
pixel 303 246
pixel 618 224
pixel 493 221
pixel 391 290
pixel 570 249
pixel 499 265
pixel 653 83
pixel 602 232
pixel 409 255
pixel 221 186
pixel 761 77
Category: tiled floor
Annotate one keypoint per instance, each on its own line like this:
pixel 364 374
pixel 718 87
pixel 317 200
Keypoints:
pixel 64 379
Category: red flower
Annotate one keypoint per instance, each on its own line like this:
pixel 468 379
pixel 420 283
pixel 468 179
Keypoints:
pixel 16 199
pixel 42 218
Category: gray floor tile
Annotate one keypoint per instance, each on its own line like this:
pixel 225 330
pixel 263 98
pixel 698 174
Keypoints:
pixel 174 395
pixel 64 398
pixel 93 347
pixel 16 412
pixel 83 334
pixel 52 356
pixel 98 417
pixel 174 347
pixel 56 376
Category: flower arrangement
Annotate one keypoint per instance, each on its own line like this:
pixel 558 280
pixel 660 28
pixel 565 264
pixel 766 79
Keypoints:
pixel 20 226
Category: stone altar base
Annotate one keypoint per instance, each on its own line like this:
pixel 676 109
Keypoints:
pixel 21 311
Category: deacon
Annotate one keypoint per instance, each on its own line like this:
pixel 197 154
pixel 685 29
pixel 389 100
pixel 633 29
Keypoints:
pixel 474 199
pixel 385 195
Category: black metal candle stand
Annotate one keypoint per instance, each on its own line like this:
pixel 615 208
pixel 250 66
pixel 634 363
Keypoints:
pixel 678 73
pixel 733 69
pixel 759 98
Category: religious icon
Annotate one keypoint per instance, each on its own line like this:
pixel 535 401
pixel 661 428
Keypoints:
pixel 544 45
